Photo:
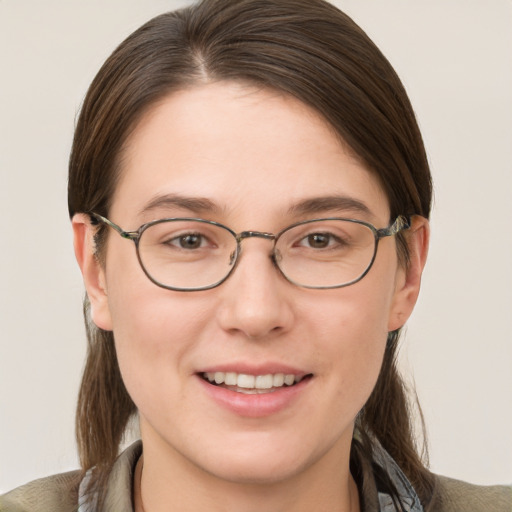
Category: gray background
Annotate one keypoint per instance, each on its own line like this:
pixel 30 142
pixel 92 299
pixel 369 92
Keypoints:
pixel 454 57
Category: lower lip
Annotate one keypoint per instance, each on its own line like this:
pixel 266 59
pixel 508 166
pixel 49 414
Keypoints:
pixel 255 405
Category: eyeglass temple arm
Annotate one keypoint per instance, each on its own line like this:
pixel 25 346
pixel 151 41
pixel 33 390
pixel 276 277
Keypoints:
pixel 401 222
pixel 130 235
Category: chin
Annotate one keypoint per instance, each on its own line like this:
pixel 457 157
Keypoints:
pixel 262 461
pixel 258 472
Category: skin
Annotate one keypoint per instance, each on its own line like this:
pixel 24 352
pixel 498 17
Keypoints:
pixel 255 154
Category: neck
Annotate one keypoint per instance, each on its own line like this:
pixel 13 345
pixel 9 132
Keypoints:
pixel 155 491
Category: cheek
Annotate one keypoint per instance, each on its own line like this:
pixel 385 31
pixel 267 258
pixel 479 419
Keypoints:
pixel 351 333
pixel 154 340
pixel 154 329
pixel 152 323
pixel 356 336
pixel 144 315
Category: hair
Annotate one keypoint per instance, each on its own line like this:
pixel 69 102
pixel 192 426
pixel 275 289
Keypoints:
pixel 304 48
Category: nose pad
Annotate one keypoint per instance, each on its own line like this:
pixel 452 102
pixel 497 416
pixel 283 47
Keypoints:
pixel 276 257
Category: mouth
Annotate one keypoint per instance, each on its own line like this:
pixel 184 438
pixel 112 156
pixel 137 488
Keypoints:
pixel 253 384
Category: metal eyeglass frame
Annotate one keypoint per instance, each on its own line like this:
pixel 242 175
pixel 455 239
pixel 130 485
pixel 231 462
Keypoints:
pixel 402 222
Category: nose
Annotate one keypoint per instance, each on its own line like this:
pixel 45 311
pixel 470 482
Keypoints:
pixel 256 300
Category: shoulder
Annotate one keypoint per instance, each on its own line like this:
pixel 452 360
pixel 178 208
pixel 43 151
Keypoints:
pixel 457 496
pixel 66 492
pixel 57 493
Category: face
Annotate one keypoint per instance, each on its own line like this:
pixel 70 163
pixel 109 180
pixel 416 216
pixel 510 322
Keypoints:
pixel 250 156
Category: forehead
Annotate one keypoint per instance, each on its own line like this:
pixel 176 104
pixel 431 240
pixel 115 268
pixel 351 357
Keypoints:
pixel 239 147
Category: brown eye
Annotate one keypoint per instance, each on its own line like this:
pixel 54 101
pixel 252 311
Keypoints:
pixel 191 241
pixel 319 240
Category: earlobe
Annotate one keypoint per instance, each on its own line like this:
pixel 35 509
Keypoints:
pixel 408 285
pixel 92 271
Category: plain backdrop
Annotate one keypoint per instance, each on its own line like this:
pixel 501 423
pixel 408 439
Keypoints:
pixel 454 57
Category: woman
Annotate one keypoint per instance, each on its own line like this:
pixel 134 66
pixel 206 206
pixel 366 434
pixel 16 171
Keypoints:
pixel 266 149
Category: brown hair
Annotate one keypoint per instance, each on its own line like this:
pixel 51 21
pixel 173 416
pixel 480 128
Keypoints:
pixel 305 48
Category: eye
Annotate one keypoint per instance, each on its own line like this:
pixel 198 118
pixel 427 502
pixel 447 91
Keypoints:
pixel 188 241
pixel 320 240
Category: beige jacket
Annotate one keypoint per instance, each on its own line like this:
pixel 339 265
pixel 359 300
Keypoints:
pixel 64 493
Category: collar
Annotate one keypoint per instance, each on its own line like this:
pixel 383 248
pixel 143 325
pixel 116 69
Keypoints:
pixel 120 483
pixel 404 488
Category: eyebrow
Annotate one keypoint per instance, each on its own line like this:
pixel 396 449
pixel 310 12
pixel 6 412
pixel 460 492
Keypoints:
pixel 169 201
pixel 330 203
pixel 199 205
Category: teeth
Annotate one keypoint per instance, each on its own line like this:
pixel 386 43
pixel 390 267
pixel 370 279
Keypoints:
pixel 243 381
pixel 250 382
pixel 264 381
pixel 289 379
pixel 230 379
pixel 278 380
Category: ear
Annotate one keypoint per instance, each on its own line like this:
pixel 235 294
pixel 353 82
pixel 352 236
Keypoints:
pixel 92 271
pixel 409 278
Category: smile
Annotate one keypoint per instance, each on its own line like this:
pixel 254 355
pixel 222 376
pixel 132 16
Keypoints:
pixel 252 384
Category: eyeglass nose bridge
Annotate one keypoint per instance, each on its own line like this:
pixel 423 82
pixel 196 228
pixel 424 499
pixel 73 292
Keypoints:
pixel 254 234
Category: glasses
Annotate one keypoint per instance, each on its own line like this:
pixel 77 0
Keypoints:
pixel 189 254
